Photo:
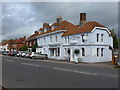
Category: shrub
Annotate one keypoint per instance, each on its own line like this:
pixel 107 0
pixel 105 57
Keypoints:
pixel 77 51
pixel 24 48
pixel 116 66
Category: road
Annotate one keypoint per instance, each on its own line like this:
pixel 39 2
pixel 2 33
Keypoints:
pixel 28 73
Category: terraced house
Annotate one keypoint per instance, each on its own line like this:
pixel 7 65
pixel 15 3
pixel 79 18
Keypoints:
pixel 19 43
pixel 86 42
pixel 31 40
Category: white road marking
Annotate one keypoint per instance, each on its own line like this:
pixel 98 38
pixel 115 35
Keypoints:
pixel 30 64
pixel 9 61
pixel 114 76
pixel 75 71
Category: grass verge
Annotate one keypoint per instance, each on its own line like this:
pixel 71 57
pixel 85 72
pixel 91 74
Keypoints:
pixel 116 66
pixel 3 88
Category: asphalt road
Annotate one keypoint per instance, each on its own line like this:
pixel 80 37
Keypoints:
pixel 28 73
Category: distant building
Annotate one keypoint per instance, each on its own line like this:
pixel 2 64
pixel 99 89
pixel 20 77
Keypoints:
pixel 19 43
pixel 7 45
pixel 32 40
pixel 4 46
pixel 62 39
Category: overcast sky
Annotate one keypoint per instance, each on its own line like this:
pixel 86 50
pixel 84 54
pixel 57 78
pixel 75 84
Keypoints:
pixel 23 18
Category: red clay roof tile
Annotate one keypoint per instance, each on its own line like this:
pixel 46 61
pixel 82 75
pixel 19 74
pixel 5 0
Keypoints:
pixel 20 40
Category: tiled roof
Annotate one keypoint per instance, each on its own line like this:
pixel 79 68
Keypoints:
pixel 41 29
pixel 63 25
pixel 87 27
pixel 32 36
pixel 73 29
pixel 4 43
pixel 56 24
pixel 21 40
pixel 7 42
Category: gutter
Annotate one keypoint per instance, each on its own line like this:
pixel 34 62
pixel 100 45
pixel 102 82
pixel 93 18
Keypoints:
pixel 50 33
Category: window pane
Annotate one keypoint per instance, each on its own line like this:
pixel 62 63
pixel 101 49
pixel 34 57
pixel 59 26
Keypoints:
pixel 97 37
pixel 82 38
pixel 102 37
pixel 102 52
pixel 83 52
pixel 97 52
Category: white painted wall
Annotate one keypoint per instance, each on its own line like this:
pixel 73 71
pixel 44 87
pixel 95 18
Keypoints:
pixel 90 45
pixel 4 48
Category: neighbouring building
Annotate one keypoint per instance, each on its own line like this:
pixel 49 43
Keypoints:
pixel 92 40
pixel 19 43
pixel 4 46
pixel 32 40
pixel 7 46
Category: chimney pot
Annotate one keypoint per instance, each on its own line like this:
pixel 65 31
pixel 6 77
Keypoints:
pixel 59 19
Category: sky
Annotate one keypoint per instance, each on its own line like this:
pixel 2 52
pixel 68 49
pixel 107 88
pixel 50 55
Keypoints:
pixel 23 18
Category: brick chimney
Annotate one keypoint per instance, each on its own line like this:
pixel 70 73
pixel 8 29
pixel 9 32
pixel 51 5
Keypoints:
pixel 59 19
pixel 24 37
pixel 45 25
pixel 15 38
pixel 82 19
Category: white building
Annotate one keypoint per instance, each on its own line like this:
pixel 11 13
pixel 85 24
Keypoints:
pixel 4 46
pixel 92 40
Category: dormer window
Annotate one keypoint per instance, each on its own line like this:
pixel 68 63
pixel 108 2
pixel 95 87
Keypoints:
pixel 53 27
pixel 45 29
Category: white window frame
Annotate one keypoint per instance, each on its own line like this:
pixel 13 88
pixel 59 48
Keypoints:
pixel 68 40
pixel 102 52
pixel 51 39
pixel 102 36
pixel 56 38
pixel 65 39
pixel 98 37
pixel 83 52
pixel 98 49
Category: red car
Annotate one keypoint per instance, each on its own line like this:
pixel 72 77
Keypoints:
pixel 9 53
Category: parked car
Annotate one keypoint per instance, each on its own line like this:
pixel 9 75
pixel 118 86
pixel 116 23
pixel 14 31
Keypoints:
pixel 9 53
pixel 27 54
pixel 19 53
pixel 14 53
pixel 38 55
pixel 23 54
pixel 5 52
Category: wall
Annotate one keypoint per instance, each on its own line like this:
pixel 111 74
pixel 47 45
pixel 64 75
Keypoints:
pixel 75 41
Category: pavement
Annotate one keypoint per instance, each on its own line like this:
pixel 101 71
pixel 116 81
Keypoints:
pixel 33 73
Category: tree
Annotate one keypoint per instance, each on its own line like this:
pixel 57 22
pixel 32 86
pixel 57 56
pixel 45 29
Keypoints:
pixel 4 40
pixel 34 47
pixel 24 48
pixel 115 39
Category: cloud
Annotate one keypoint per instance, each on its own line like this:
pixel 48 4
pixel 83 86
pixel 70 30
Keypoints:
pixel 23 18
